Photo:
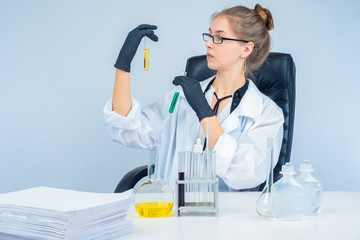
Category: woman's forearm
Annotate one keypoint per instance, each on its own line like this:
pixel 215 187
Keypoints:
pixel 121 101
pixel 215 129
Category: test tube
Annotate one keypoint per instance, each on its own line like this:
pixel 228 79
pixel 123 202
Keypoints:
pixel 181 193
pixel 208 165
pixel 173 102
pixel 211 175
pixel 190 175
pixel 202 169
pixel 184 161
pixel 196 170
pixel 146 54
pixel 175 98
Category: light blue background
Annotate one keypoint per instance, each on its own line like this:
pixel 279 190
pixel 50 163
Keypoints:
pixel 56 73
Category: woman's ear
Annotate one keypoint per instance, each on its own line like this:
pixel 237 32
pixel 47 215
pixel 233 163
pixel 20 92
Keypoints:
pixel 247 49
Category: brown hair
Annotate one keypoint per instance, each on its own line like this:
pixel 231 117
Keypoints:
pixel 251 25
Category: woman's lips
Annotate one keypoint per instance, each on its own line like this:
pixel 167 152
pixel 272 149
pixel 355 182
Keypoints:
pixel 209 56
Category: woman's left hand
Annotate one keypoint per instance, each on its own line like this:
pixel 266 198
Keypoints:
pixel 195 96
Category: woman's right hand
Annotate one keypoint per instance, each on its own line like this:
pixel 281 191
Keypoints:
pixel 131 44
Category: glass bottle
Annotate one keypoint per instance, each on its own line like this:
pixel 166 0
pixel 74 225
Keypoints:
pixel 154 198
pixel 312 187
pixel 263 204
pixel 287 196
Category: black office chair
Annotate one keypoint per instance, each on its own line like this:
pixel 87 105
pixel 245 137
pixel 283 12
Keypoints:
pixel 275 78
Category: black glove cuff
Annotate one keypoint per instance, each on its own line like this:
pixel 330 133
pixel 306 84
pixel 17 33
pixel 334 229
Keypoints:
pixel 205 114
pixel 122 66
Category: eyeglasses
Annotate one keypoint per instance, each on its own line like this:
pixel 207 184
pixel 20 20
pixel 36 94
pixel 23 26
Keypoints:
pixel 218 40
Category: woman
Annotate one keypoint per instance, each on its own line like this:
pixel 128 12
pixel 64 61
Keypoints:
pixel 240 118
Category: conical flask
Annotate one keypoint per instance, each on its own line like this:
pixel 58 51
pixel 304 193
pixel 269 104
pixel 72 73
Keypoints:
pixel 154 198
pixel 263 204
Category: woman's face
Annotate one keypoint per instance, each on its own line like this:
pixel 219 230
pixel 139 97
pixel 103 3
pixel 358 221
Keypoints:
pixel 224 56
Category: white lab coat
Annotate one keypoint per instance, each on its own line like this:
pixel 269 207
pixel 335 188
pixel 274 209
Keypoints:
pixel 240 151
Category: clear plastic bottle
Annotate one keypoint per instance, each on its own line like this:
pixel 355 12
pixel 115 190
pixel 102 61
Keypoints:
pixel 312 187
pixel 287 196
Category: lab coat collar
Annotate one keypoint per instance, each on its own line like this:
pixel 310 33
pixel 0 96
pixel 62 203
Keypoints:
pixel 250 104
pixel 205 83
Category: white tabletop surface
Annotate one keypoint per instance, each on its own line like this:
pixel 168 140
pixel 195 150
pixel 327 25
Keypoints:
pixel 338 219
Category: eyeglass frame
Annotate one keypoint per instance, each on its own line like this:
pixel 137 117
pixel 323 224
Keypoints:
pixel 222 38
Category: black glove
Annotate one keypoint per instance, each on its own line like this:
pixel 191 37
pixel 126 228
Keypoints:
pixel 131 44
pixel 194 96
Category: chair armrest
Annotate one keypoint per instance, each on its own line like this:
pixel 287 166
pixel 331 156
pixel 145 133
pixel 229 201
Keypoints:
pixel 131 178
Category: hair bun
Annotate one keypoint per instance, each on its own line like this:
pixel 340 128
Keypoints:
pixel 265 16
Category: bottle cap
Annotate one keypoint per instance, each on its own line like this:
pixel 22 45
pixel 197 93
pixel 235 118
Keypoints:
pixel 288 168
pixel 198 147
pixel 306 166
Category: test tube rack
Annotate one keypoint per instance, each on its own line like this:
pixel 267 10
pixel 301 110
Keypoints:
pixel 201 206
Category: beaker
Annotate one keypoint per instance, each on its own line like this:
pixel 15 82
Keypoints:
pixel 154 198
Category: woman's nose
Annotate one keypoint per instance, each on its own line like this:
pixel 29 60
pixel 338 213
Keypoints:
pixel 209 43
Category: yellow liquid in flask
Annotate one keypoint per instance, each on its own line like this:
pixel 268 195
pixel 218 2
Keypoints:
pixel 154 209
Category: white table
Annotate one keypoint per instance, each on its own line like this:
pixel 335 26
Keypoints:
pixel 338 219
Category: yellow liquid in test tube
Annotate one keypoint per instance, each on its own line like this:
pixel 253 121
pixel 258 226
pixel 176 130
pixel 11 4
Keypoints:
pixel 154 209
pixel 146 54
pixel 146 59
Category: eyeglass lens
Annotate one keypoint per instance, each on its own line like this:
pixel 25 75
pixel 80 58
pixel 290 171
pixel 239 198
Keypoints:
pixel 215 38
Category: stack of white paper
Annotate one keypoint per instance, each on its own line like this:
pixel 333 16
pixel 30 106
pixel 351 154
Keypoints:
pixel 49 213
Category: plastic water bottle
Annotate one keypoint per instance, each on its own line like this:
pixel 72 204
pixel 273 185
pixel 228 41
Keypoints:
pixel 287 196
pixel 312 187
